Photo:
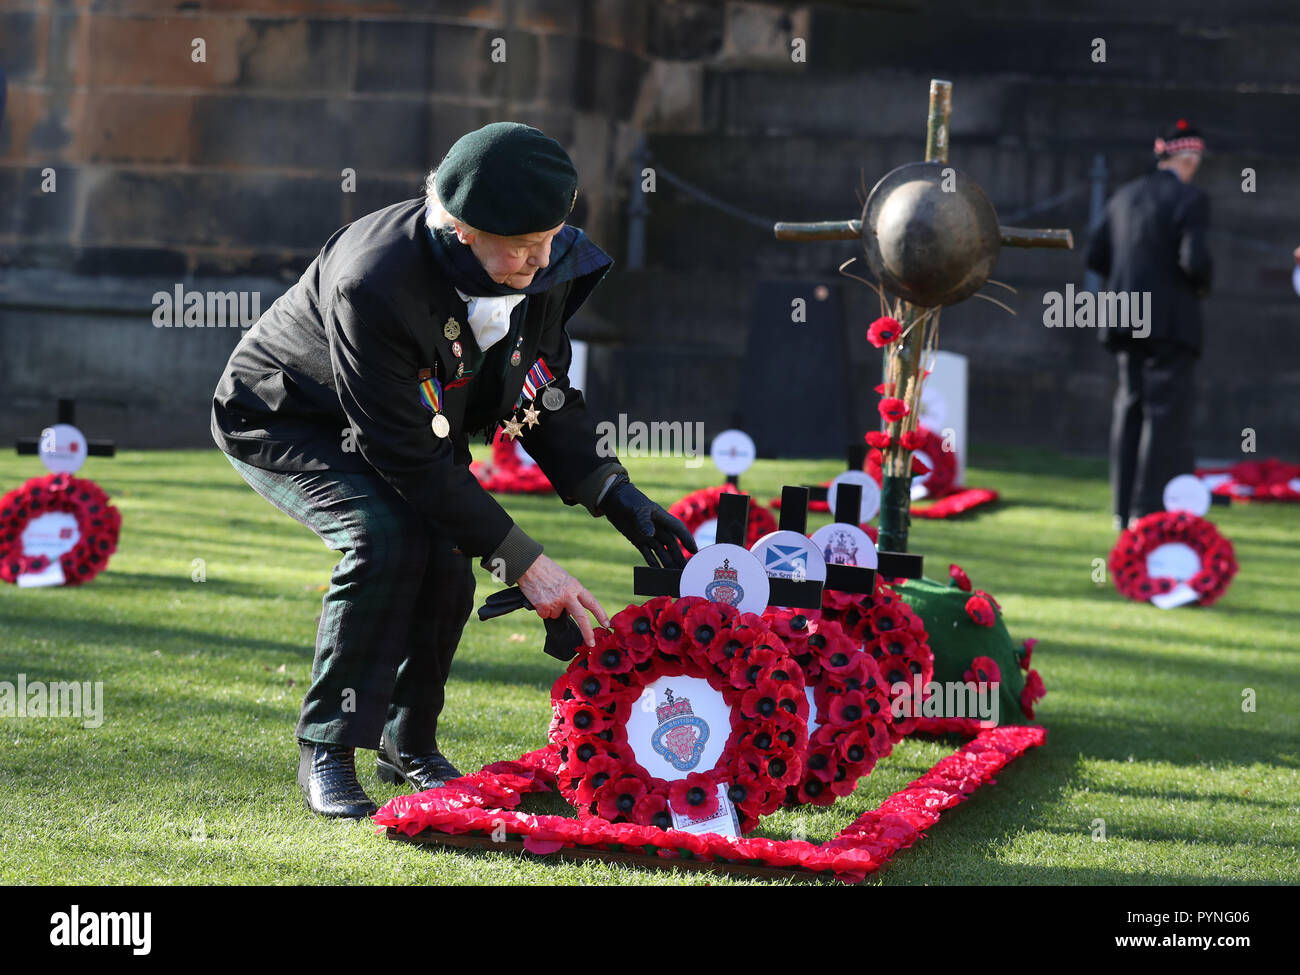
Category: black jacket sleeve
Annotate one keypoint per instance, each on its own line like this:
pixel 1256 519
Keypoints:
pixel 564 442
pixel 1097 257
pixel 1193 254
pixel 372 358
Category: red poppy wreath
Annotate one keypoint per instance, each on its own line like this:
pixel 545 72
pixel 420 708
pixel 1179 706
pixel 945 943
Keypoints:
pixel 740 658
pixel 1131 563
pixel 895 636
pixel 507 473
pixel 98 523
pixel 848 724
pixel 701 506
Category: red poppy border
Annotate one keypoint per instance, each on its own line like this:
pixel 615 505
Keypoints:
pixel 1128 559
pixel 482 805
pixel 98 522
pixel 506 473
pixel 700 506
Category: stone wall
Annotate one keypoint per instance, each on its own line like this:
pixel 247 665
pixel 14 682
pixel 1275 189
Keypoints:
pixel 230 173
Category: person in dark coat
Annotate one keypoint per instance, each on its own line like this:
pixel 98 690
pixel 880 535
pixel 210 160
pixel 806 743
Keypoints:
pixel 349 406
pixel 1152 239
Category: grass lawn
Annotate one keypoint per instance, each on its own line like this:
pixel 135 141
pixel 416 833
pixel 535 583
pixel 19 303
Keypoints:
pixel 190 779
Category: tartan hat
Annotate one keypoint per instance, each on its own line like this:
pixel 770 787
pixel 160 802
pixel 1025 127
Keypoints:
pixel 507 179
pixel 1181 137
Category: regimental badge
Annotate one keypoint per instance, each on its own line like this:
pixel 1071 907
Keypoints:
pixel 460 369
pixel 515 358
pixel 451 330
pixel 681 735
pixel 725 587
pixel 841 550
pixel 456 349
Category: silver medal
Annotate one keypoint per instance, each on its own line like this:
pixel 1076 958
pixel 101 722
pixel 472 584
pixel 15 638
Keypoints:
pixel 552 398
pixel 440 425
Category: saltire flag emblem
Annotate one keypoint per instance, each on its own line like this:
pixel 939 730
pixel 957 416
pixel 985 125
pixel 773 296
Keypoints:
pixel 785 559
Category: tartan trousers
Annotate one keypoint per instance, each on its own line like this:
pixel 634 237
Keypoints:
pixel 392 618
pixel 1151 424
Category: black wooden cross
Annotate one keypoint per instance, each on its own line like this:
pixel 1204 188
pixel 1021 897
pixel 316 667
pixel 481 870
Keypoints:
pixel 67 414
pixel 733 522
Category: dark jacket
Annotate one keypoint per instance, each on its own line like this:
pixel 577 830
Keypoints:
pixel 328 379
pixel 1152 238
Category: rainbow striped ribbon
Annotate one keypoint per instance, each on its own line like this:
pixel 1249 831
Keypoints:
pixel 431 394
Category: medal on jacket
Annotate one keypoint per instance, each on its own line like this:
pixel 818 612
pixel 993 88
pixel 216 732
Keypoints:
pixel 536 380
pixel 431 397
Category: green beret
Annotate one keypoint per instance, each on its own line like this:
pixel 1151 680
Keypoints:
pixel 507 179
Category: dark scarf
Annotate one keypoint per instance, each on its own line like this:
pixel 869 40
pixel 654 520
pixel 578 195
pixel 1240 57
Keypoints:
pixel 573 255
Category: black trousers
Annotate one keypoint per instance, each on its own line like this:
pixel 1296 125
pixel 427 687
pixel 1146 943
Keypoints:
pixel 1151 427
pixel 392 618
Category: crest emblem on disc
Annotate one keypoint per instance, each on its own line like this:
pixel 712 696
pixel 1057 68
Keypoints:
pixel 681 735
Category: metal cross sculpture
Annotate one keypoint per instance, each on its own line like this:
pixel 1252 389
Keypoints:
pixel 931 239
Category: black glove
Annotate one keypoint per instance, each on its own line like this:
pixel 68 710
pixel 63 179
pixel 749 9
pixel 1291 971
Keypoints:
pixel 656 534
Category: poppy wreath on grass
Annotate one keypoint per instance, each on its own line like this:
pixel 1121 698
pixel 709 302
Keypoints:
pixel 850 706
pixel 484 804
pixel 98 524
pixel 507 473
pixel 895 636
pixel 739 656
pixel 1128 559
pixel 702 505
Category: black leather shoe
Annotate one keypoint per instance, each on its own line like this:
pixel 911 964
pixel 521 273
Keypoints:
pixel 423 772
pixel 328 776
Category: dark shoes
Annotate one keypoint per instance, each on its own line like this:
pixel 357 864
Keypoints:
pixel 423 772
pixel 328 776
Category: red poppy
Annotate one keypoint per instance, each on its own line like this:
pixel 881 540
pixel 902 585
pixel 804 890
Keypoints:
pixel 634 629
pixel 913 440
pixel 883 331
pixel 993 602
pixel 1028 653
pixel 887 619
pixel 652 810
pixel 979 610
pixel 879 439
pixel 959 577
pixel 885 389
pixel 671 628
pixel 983 670
pixel 599 770
pixel 608 657
pixel 1033 690
pixel 893 409
pixel 617 798
pixel 695 796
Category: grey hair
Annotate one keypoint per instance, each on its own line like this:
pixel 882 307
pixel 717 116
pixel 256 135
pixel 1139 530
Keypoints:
pixel 438 215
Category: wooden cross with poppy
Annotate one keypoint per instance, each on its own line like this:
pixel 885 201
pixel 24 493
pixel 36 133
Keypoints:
pixel 937 253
